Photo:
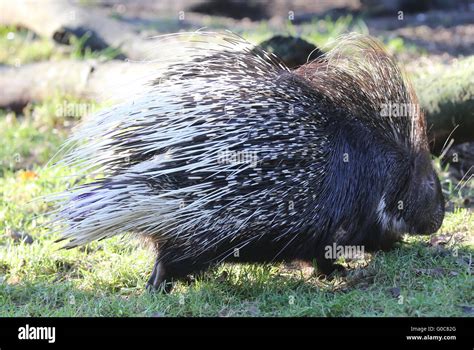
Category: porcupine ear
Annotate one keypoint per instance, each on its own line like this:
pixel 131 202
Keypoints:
pixel 358 74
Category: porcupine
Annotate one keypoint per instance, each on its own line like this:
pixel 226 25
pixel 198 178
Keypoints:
pixel 233 152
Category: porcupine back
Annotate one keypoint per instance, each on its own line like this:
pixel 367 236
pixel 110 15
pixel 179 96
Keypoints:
pixel 231 147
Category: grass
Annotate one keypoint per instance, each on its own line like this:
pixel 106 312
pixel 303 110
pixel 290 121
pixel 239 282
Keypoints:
pixel 20 46
pixel 107 279
pixel 423 276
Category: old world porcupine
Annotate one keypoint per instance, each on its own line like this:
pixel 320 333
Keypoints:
pixel 233 152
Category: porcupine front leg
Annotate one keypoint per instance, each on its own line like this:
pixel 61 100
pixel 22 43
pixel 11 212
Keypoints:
pixel 165 273
pixel 326 267
pixel 159 280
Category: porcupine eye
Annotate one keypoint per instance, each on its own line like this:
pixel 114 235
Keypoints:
pixel 427 211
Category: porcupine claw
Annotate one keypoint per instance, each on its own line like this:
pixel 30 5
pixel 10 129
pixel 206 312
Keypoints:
pixel 328 267
pixel 331 272
pixel 157 280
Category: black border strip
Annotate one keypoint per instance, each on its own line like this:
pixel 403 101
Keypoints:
pixel 381 331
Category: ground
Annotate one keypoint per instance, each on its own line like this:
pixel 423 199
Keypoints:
pixel 422 276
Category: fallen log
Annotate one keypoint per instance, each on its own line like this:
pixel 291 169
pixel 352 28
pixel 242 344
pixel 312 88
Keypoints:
pixel 90 79
pixel 60 20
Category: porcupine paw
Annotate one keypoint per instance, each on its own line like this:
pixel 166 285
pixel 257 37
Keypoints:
pixel 158 280
pixel 328 268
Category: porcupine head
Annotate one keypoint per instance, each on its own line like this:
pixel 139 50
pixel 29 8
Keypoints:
pixel 384 132
pixel 231 151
